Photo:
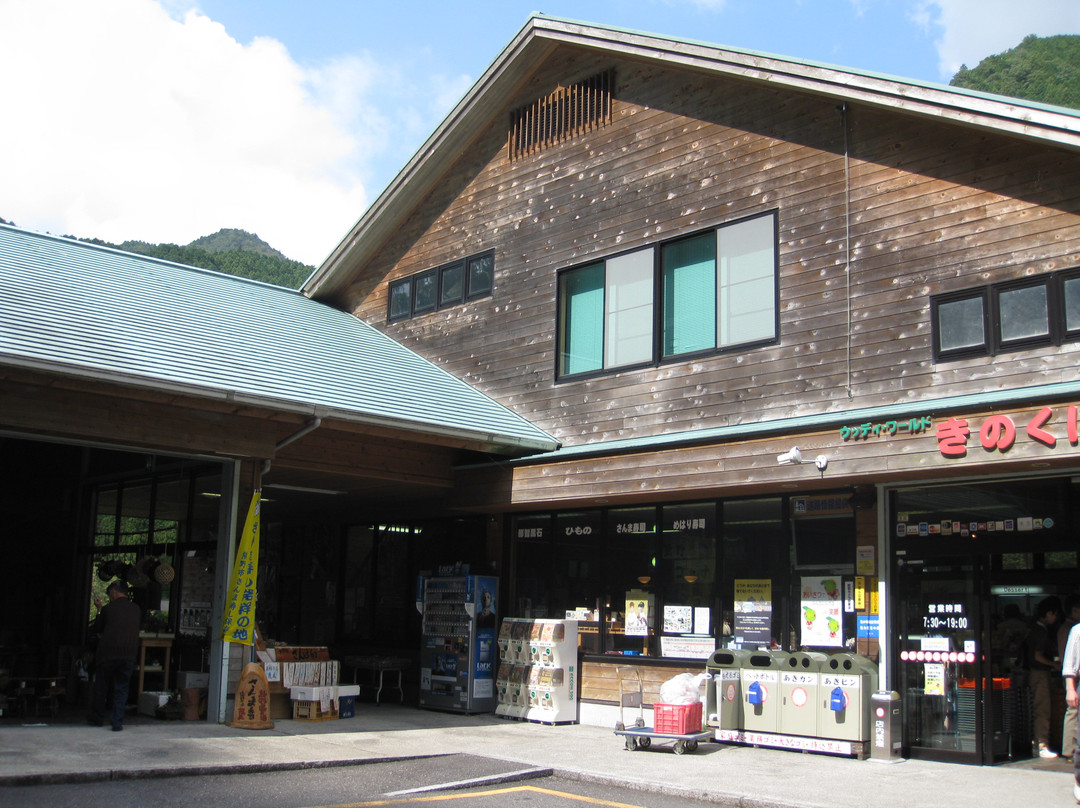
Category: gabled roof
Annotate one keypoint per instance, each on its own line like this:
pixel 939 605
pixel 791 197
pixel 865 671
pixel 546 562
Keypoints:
pixel 75 309
pixel 541 35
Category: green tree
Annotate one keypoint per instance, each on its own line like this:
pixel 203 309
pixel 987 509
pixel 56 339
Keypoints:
pixel 1043 69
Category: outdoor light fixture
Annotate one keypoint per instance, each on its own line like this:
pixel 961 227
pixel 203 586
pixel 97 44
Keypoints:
pixel 791 457
pixel 822 462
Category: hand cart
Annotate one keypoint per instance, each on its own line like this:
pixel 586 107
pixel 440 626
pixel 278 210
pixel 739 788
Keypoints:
pixel 640 736
pixel 629 698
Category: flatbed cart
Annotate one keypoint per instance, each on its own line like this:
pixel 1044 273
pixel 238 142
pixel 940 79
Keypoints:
pixel 640 736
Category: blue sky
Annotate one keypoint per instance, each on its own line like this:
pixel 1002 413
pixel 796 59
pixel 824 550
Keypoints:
pixel 165 120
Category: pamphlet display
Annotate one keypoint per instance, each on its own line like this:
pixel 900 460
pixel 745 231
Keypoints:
pixel 537 679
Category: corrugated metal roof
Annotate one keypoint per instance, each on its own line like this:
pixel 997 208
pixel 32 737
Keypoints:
pixel 78 309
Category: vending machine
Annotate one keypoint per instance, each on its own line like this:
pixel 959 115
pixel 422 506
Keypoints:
pixel 458 654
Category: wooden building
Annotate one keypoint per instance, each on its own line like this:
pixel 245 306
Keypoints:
pixel 731 337
pixel 696 267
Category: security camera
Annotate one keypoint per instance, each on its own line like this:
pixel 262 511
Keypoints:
pixel 790 457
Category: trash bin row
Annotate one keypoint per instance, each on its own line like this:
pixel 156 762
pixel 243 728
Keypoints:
pixel 800 693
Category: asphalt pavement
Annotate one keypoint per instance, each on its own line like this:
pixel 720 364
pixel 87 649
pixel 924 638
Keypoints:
pixel 50 751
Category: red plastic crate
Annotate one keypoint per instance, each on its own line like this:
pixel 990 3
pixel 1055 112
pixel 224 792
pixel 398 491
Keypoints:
pixel 677 719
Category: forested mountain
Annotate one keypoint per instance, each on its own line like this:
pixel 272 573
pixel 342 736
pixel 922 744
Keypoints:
pixel 235 252
pixel 1044 69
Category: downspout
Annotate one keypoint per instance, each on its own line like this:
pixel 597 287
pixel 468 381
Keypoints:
pixel 308 428
pixel 843 110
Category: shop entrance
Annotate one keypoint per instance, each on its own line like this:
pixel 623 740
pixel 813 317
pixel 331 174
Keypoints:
pixel 970 564
pixel 950 712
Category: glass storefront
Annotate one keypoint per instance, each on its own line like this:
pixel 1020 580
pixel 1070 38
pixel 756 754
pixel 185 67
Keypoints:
pixel 679 580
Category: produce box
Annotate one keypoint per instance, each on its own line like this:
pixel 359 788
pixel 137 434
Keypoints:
pixel 150 701
pixel 312 711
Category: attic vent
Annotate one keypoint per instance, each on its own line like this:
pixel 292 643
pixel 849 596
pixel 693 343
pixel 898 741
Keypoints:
pixel 565 113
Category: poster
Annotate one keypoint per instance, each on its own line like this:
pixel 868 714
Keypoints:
pixel 678 619
pixel 822 612
pixel 638 613
pixel 753 611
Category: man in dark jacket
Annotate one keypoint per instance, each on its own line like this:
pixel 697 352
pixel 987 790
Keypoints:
pixel 117 627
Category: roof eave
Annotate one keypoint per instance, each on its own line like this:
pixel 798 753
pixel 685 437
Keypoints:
pixel 484 440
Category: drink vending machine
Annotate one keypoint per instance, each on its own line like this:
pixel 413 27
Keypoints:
pixel 458 649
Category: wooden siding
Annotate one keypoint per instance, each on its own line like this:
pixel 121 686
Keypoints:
pixel 600 681
pixel 933 208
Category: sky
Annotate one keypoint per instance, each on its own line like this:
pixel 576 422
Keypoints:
pixel 167 120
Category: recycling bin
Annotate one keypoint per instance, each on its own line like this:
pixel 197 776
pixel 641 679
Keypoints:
pixel 759 685
pixel 847 681
pixel 800 679
pixel 723 704
pixel 887 742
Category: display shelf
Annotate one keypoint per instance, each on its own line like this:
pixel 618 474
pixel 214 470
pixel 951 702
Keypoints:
pixel 160 661
pixel 538 671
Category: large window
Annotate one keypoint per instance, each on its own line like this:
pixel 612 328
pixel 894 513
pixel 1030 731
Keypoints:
pixel 1009 316
pixel 708 292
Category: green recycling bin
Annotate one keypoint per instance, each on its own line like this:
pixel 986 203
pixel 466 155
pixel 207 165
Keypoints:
pixel 800 679
pixel 847 682
pixel 760 689
pixel 723 705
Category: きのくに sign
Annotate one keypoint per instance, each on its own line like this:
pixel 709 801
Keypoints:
pixel 999 432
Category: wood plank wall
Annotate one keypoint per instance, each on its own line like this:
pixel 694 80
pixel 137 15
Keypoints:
pixel 600 681
pixel 933 208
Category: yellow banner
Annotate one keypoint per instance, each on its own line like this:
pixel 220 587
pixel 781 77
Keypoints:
pixel 238 624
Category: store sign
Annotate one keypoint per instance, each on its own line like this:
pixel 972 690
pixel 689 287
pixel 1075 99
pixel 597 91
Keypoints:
pixel 999 433
pixel 995 433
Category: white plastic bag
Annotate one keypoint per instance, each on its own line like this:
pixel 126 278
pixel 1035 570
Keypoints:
pixel 683 689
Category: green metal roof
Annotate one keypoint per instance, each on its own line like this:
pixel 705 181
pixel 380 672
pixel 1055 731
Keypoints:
pixel 77 309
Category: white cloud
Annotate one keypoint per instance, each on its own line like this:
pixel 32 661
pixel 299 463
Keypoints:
pixel 971 30
pixel 124 122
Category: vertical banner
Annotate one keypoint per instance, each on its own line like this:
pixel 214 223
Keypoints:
pixel 238 624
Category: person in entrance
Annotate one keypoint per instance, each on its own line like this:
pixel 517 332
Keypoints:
pixel 1041 658
pixel 1070 669
pixel 117 626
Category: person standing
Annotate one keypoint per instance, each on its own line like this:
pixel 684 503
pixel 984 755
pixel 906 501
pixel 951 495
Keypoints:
pixel 1041 656
pixel 117 627
pixel 1068 724
pixel 1070 669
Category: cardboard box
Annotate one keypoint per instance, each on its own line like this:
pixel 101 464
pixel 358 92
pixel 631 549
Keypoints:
pixel 193 679
pixel 150 701
pixel 312 711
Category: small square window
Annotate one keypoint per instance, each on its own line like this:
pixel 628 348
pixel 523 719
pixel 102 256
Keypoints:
pixel 425 291
pixel 1023 315
pixel 451 284
pixel 1070 293
pixel 400 299
pixel 960 326
pixel 480 275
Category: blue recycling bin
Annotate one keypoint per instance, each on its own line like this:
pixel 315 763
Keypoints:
pixel 847 683
pixel 760 689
